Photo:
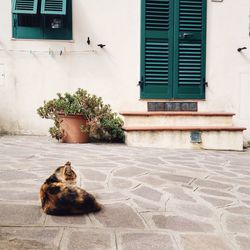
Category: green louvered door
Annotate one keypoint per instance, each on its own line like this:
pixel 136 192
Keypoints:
pixel 157 43
pixel 173 49
pixel 190 46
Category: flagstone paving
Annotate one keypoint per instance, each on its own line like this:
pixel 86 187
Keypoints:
pixel 153 198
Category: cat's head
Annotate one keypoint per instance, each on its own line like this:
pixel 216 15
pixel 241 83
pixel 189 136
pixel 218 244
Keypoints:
pixel 66 174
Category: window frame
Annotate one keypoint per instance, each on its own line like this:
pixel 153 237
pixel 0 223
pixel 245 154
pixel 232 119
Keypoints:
pixel 42 32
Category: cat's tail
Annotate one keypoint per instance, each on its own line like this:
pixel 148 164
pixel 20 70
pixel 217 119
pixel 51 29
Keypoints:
pixel 90 205
pixel 97 207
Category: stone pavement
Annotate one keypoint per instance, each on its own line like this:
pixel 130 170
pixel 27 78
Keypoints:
pixel 154 199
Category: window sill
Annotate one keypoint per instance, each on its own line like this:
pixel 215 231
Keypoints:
pixel 42 40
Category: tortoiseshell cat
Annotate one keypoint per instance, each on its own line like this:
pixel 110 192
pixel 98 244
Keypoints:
pixel 60 195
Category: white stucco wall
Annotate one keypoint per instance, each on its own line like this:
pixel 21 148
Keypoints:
pixel 228 71
pixel 113 72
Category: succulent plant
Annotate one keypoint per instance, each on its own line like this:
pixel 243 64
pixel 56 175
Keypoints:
pixel 102 123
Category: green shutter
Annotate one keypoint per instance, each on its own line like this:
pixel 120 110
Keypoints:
pixel 173 49
pixel 190 37
pixel 156 51
pixel 24 6
pixel 55 7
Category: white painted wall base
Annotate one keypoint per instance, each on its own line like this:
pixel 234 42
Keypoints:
pixel 221 140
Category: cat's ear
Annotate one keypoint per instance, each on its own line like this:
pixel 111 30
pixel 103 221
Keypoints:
pixel 67 168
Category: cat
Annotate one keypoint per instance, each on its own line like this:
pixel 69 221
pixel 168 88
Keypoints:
pixel 59 194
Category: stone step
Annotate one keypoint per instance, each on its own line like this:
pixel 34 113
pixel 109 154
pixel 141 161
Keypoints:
pixel 211 137
pixel 177 118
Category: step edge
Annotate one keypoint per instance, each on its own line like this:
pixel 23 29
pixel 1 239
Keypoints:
pixel 183 128
pixel 181 113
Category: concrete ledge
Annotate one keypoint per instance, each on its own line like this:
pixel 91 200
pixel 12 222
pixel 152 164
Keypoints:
pixel 184 128
pixel 170 113
pixel 180 119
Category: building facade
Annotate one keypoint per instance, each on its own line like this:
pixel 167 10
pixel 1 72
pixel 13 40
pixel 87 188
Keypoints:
pixel 176 49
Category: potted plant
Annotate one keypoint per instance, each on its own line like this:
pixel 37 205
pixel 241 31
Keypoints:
pixel 81 116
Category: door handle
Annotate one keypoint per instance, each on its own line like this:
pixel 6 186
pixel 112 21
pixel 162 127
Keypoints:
pixel 185 35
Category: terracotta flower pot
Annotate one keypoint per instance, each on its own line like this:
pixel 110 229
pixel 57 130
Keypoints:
pixel 70 127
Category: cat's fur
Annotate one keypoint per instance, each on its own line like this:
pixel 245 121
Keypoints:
pixel 60 195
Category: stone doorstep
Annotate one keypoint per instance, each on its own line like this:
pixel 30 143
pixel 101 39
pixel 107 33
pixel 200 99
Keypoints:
pixel 183 128
pixel 178 121
pixel 180 113
pixel 212 137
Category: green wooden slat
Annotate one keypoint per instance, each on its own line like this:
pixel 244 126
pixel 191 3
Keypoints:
pixel 55 7
pixel 24 6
